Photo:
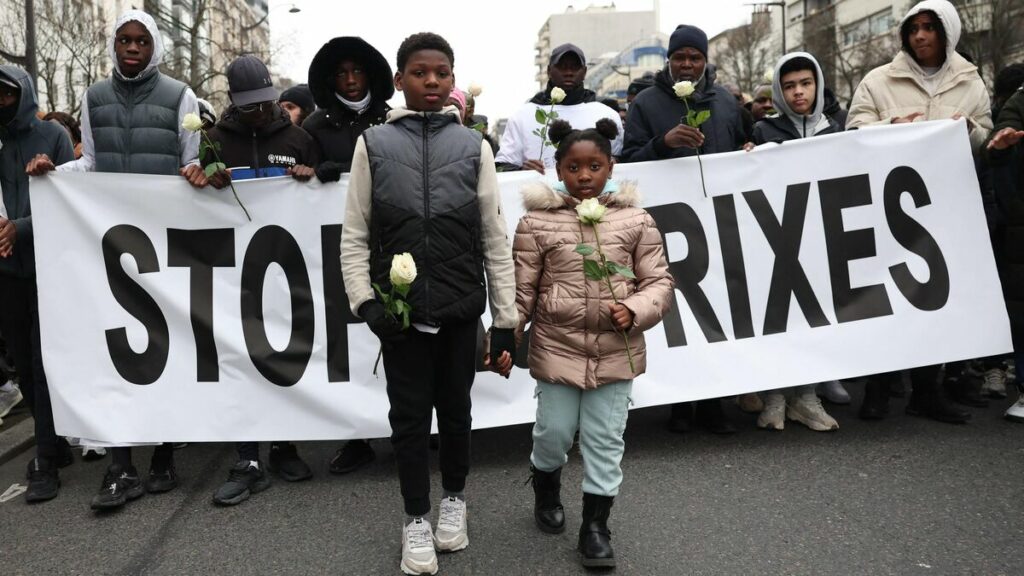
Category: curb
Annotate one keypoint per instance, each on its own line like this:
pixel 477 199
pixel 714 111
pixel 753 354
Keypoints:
pixel 16 439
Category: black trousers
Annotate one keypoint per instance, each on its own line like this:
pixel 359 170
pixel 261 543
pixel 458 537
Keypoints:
pixel 427 372
pixel 19 321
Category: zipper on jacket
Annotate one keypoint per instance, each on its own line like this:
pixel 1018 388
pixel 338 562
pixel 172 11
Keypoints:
pixel 426 215
pixel 255 155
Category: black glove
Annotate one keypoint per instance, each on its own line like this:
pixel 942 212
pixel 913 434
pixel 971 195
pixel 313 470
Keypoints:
pixel 502 340
pixel 388 329
pixel 329 171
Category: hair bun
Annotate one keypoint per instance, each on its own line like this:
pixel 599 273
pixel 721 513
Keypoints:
pixel 606 127
pixel 558 130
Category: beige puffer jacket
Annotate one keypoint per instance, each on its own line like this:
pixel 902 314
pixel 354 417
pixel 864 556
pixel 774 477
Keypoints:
pixel 572 340
pixel 898 88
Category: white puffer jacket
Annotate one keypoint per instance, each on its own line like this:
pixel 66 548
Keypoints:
pixel 898 89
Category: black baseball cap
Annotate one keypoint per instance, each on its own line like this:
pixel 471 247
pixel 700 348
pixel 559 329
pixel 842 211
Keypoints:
pixel 249 81
pixel 564 49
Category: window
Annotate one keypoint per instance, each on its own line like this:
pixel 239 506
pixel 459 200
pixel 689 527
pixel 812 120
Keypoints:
pixel 870 27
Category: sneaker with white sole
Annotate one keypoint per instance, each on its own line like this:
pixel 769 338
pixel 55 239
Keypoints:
pixel 451 534
pixel 993 386
pixel 773 417
pixel 833 391
pixel 9 399
pixel 418 556
pixel 807 409
pixel 1016 411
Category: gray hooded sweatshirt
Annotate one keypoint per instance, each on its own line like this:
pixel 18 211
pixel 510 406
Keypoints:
pixel 787 124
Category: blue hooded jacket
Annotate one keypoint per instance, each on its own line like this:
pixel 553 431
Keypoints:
pixel 22 137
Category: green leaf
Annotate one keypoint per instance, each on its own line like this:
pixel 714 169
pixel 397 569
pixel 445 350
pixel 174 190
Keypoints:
pixel 210 170
pixel 541 116
pixel 479 127
pixel 553 115
pixel 703 116
pixel 593 270
pixel 216 146
pixel 405 320
pixel 402 289
pixel 616 268
pixel 584 249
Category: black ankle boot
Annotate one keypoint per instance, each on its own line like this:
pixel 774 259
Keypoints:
pixel 875 405
pixel 711 417
pixel 928 399
pixel 595 544
pixel 547 507
pixel 965 390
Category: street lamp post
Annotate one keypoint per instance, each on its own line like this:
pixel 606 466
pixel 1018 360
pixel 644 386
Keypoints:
pixel 292 10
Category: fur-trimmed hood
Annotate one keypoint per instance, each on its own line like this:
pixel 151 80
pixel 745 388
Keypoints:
pixel 539 195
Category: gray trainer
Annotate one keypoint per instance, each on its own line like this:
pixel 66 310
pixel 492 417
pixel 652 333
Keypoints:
pixel 418 555
pixel 451 534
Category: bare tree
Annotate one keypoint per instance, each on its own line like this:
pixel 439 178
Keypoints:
pixel 992 29
pixel 854 62
pixel 70 52
pixel 747 54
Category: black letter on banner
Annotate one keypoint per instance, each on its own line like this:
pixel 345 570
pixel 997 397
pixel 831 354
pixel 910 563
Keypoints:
pixel 735 270
pixel 201 251
pixel 933 294
pixel 145 367
pixel 843 246
pixel 339 315
pixel 273 244
pixel 688 273
pixel 787 275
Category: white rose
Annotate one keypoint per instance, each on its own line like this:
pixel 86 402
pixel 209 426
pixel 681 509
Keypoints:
pixel 769 76
pixel 557 95
pixel 192 122
pixel 475 89
pixel 590 211
pixel 403 269
pixel 683 88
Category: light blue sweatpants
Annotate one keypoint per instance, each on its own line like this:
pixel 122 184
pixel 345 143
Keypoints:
pixel 599 414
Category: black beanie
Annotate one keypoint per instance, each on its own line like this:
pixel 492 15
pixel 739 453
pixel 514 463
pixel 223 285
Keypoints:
pixel 299 95
pixel 686 36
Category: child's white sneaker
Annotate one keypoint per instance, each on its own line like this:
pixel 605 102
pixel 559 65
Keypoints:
pixel 451 534
pixel 807 409
pixel 773 416
pixel 418 556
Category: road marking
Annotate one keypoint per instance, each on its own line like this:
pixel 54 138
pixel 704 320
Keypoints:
pixel 13 492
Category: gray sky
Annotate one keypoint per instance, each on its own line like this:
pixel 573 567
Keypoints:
pixel 493 41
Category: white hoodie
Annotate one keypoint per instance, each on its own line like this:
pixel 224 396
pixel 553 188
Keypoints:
pixel 188 142
pixel 902 87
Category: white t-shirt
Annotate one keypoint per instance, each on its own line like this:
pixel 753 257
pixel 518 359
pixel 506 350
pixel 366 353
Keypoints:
pixel 519 143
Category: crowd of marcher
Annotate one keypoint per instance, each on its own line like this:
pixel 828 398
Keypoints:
pixel 341 123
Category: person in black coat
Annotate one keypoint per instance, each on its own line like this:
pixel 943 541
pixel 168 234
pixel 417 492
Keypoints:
pixel 351 83
pixel 653 127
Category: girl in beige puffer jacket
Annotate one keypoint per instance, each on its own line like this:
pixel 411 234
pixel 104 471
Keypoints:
pixel 577 349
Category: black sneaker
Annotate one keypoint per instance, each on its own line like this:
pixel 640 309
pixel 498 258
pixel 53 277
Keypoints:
pixel 285 462
pixel 352 456
pixel 43 481
pixel 119 486
pixel 161 480
pixel 244 479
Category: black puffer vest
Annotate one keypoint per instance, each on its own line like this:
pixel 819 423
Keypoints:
pixel 424 170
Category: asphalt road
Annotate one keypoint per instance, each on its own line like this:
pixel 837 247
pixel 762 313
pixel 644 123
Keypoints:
pixel 902 496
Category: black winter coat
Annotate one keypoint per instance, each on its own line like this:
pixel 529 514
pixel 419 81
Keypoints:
pixel 1008 181
pixel 780 129
pixel 263 152
pixel 335 127
pixel 656 111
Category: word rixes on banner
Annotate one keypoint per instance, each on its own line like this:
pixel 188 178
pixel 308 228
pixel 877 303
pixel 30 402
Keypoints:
pixel 788 278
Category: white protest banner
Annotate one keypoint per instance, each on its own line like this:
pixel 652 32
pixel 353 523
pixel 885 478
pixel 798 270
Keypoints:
pixel 166 316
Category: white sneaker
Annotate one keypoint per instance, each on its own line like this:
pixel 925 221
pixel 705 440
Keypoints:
pixel 1016 411
pixel 9 399
pixel 773 417
pixel 994 384
pixel 834 392
pixel 451 532
pixel 418 556
pixel 807 410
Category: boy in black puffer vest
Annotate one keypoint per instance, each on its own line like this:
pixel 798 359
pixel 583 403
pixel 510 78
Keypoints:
pixel 425 184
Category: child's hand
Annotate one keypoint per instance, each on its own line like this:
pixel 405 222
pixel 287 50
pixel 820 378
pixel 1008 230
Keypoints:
pixel 503 366
pixel 622 317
